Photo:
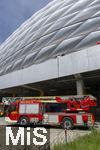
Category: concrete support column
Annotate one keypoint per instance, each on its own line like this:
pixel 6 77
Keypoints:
pixel 79 84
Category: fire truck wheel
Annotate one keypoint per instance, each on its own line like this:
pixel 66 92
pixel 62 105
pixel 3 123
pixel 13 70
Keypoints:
pixel 24 121
pixel 67 123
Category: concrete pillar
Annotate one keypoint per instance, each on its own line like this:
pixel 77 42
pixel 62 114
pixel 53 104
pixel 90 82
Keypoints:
pixel 79 85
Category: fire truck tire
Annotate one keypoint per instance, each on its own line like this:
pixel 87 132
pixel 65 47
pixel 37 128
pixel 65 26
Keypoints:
pixel 24 121
pixel 67 123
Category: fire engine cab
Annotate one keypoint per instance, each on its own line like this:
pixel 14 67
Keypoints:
pixel 67 111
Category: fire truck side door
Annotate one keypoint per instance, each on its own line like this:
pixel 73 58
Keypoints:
pixel 51 118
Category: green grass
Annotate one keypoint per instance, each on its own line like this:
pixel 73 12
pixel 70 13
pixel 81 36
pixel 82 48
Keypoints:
pixel 87 142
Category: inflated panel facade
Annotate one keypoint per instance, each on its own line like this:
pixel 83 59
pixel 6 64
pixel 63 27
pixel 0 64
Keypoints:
pixel 62 27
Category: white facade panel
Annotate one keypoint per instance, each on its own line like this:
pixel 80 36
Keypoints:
pixel 94 58
pixel 35 73
pixel 78 62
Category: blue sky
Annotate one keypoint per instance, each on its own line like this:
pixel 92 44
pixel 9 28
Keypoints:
pixel 14 12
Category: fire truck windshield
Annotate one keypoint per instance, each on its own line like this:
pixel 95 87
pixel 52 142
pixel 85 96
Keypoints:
pixel 11 108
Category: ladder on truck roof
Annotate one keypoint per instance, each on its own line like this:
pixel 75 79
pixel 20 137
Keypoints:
pixel 75 97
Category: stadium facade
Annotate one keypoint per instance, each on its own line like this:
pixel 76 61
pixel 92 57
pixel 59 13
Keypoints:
pixel 60 28
pixel 58 41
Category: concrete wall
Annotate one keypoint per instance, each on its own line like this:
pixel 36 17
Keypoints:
pixel 77 62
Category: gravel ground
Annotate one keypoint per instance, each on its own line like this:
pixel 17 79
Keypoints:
pixel 60 135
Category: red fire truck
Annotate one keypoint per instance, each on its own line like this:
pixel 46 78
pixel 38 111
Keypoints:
pixel 67 111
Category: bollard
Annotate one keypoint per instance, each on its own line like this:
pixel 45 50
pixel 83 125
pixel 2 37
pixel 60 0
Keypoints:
pixel 65 135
